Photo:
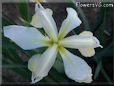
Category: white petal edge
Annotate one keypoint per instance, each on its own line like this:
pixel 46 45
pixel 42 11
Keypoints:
pixel 75 67
pixel 45 20
pixel 86 34
pixel 72 21
pixel 44 64
pixel 26 37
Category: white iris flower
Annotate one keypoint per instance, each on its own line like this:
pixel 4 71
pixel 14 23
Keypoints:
pixel 30 38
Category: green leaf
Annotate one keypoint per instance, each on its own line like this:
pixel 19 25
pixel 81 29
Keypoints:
pixel 12 55
pixel 18 70
pixel 23 9
pixel 59 64
pixel 13 66
pixel 58 77
pixel 49 80
pixel 97 70
pixel 7 21
pixel 106 76
pixel 101 21
pixel 104 72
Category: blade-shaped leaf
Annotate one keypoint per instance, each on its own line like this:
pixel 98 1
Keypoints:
pixel 98 69
pixel 23 9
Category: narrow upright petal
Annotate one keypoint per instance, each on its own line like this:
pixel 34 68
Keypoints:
pixel 42 65
pixel 43 18
pixel 75 67
pixel 25 37
pixel 72 21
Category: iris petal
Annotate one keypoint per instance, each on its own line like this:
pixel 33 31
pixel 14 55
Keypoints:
pixel 72 21
pixel 43 18
pixel 77 41
pixel 44 63
pixel 75 67
pixel 26 37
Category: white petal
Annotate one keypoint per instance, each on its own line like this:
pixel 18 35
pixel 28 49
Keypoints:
pixel 35 79
pixel 44 19
pixel 86 34
pixel 72 21
pixel 85 42
pixel 44 63
pixel 75 67
pixel 87 52
pixel 25 37
pixel 90 34
pixel 88 79
pixel 32 66
pixel 33 61
pixel 36 21
pixel 77 41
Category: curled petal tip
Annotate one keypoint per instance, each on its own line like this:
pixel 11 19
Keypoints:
pixel 100 46
pixel 35 79
pixel 38 6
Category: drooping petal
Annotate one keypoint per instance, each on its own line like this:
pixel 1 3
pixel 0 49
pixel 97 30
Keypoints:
pixel 36 21
pixel 90 34
pixel 25 37
pixel 72 21
pixel 84 40
pixel 33 61
pixel 43 64
pixel 85 45
pixel 32 66
pixel 43 18
pixel 75 67
pixel 88 52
